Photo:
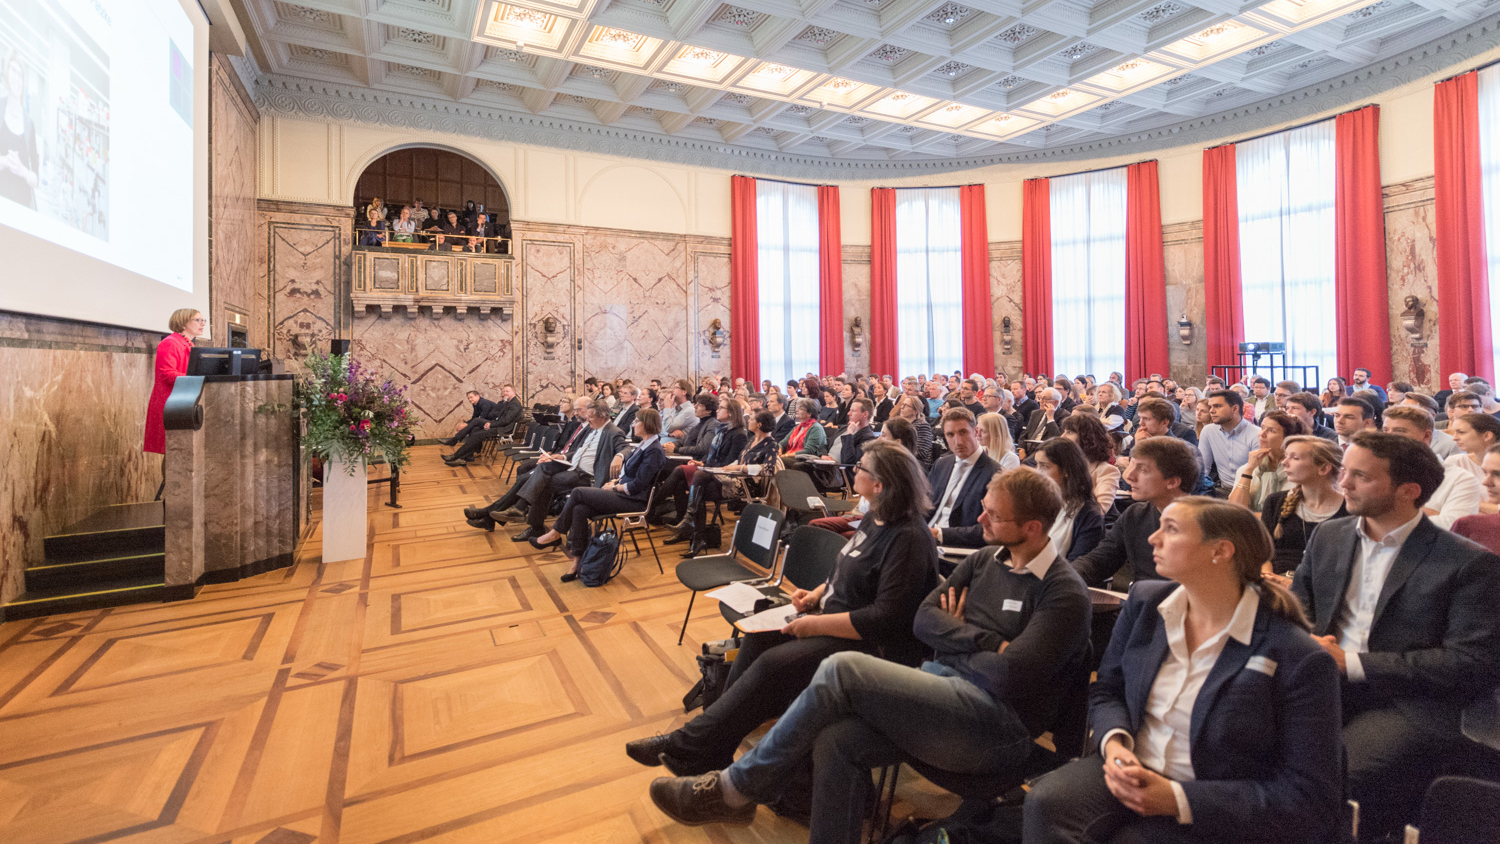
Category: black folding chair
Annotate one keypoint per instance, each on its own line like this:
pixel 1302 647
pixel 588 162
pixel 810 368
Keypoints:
pixel 800 497
pixel 630 524
pixel 756 536
pixel 1458 810
pixel 807 561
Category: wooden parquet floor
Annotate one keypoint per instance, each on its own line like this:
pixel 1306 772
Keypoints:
pixel 446 688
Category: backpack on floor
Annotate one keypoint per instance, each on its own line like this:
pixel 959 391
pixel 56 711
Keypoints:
pixel 601 560
pixel 714 665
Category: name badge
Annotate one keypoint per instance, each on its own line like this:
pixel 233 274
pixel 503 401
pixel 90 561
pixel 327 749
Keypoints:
pixel 1011 605
pixel 1263 665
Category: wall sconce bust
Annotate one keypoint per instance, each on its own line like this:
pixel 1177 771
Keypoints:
pixel 1412 319
pixel 715 336
pixel 1005 335
pixel 1185 330
pixel 857 334
pixel 550 332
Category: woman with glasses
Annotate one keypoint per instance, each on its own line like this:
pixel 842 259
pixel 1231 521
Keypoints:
pixel 868 603
pixel 171 361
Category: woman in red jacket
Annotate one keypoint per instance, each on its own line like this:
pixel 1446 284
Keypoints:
pixel 171 361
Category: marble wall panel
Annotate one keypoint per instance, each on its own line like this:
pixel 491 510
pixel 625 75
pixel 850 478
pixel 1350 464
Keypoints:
pixel 710 267
pixel 303 255
pixel 1411 267
pixel 549 277
pixel 1005 294
pixel 634 307
pixel 232 230
pixel 856 260
pixel 1183 252
pixel 439 361
pixel 72 419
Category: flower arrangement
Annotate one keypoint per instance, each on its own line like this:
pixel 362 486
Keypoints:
pixel 352 413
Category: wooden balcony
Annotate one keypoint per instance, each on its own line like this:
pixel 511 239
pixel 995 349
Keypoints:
pixel 434 284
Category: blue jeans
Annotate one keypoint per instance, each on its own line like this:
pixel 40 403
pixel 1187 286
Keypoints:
pixel 862 712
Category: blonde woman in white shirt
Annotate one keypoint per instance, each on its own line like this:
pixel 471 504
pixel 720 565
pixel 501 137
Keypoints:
pixel 994 438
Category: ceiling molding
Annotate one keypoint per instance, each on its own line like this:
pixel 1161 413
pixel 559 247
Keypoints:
pixel 303 98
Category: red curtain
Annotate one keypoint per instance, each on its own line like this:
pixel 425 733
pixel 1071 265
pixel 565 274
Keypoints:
pixel 744 282
pixel 1362 297
pixel 1222 297
pixel 1463 294
pixel 978 310
pixel 1145 275
pixel 883 352
pixel 831 277
pixel 1036 276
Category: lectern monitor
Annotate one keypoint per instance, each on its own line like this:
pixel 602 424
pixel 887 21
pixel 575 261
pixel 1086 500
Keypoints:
pixel 206 361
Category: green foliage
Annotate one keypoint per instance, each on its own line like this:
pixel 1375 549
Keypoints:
pixel 352 412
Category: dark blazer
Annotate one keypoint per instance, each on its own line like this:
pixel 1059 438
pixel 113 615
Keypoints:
pixel 611 442
pixel 1184 432
pixel 784 426
pixel 1040 426
pixel 698 439
pixel 504 414
pixel 852 446
pixel 483 409
pixel 963 522
pixel 1267 750
pixel 1026 407
pixel 1124 549
pixel 731 443
pixel 640 470
pixel 1436 631
pixel 1088 529
pixel 626 420
pixel 569 425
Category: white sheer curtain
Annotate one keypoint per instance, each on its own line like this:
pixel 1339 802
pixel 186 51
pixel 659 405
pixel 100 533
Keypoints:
pixel 786 219
pixel 1489 162
pixel 1088 272
pixel 929 281
pixel 1286 188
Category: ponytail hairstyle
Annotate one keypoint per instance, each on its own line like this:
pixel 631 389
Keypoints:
pixel 1323 453
pixel 1220 520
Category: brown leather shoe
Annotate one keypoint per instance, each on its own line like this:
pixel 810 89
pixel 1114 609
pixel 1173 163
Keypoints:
pixel 696 801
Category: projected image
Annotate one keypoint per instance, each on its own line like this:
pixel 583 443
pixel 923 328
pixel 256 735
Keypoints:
pixel 54 117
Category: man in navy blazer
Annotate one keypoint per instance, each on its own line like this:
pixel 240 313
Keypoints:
pixel 958 501
pixel 785 422
pixel 1411 613
pixel 483 407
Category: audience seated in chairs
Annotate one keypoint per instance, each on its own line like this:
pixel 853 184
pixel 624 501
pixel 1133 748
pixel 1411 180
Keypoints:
pixel 1304 407
pixel 1044 422
pixel 807 439
pixel 1162 470
pixel 478 418
pixel 1080 525
pixel 490 419
pixel 1484 528
pixel 1312 466
pixel 1225 443
pixel 974 709
pixel 627 493
pixel 994 437
pixel 697 440
pixel 1223 656
pixel 679 417
pixel 508 507
pixel 914 410
pixel 959 480
pixel 1262 474
pixel 895 430
pixel 686 484
pixel 1099 449
pixel 584 462
pixel 867 605
pixel 1460 494
pixel 1407 610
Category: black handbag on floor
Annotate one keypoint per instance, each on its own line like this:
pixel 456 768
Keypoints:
pixel 601 560
pixel 714 665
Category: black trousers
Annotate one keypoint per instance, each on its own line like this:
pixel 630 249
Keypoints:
pixel 1392 760
pixel 543 485
pixel 768 674
pixel 1072 805
pixel 583 504
pixel 473 440
pixel 512 496
pixel 475 424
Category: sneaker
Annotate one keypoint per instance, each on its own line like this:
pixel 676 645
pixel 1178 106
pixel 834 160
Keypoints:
pixel 696 801
pixel 648 751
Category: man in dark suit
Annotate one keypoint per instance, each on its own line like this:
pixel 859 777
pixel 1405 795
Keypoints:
pixel 1161 470
pixel 1408 611
pixel 847 447
pixel 498 419
pixel 1154 418
pixel 1044 423
pixel 958 480
pixel 784 421
pixel 585 463
pixel 506 507
pixel 626 410
pixel 482 408
pixel 1024 404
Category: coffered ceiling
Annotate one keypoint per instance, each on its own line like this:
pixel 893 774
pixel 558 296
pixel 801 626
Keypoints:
pixel 872 80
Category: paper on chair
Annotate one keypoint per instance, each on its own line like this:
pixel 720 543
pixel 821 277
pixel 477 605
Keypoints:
pixel 740 597
pixel 765 532
pixel 774 618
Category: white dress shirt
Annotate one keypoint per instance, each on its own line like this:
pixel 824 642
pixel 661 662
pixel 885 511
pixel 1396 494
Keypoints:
pixel 1062 530
pixel 950 493
pixel 1165 742
pixel 584 461
pixel 1372 563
